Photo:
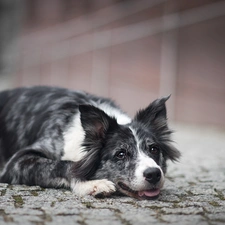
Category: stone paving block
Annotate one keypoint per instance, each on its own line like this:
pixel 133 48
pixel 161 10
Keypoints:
pixel 185 219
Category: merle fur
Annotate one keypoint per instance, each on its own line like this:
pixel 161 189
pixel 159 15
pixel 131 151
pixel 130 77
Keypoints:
pixel 32 123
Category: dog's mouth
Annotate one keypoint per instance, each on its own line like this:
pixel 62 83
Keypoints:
pixel 145 194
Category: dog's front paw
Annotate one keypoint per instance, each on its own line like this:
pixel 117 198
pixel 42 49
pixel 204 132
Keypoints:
pixel 102 187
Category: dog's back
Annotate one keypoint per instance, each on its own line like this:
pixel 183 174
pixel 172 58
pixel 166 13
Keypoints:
pixel 30 114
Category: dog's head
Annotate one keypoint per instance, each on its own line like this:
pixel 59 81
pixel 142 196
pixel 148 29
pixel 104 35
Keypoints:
pixel 133 156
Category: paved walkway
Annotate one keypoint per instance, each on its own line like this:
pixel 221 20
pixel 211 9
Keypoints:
pixel 194 193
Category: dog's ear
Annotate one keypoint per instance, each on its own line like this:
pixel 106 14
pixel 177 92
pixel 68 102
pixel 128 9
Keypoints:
pixel 95 122
pixel 154 118
pixel 155 115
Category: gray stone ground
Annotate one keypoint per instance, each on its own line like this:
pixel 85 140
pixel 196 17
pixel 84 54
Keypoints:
pixel 194 193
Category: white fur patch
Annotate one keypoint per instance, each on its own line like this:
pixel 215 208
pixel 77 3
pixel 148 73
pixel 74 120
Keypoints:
pixel 143 163
pixel 121 117
pixel 73 139
pixel 93 187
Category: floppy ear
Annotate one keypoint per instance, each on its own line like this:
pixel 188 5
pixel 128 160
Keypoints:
pixel 154 116
pixel 95 122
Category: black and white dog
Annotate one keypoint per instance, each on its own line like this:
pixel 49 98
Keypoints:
pixel 55 137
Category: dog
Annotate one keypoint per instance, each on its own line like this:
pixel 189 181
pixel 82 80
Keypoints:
pixel 59 138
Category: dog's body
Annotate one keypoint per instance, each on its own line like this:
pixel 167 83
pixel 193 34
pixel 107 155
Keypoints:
pixel 55 137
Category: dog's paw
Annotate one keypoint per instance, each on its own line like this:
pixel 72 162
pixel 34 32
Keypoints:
pixel 102 187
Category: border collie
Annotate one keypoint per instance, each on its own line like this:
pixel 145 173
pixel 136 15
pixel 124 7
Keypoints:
pixel 54 137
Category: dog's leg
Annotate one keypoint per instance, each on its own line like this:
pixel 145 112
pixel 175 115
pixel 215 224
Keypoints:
pixel 32 167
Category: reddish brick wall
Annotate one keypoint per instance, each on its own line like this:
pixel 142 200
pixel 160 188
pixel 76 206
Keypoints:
pixel 122 59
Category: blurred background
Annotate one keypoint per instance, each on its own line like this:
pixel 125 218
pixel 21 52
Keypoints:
pixel 130 50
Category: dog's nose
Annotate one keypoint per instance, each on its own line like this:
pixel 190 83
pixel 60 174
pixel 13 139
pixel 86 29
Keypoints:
pixel 152 175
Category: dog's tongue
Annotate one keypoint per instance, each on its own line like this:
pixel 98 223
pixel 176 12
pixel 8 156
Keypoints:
pixel 149 193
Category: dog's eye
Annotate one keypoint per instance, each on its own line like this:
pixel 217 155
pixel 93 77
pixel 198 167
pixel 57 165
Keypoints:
pixel 154 149
pixel 121 154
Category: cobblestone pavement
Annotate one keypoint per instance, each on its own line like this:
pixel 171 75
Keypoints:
pixel 194 193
